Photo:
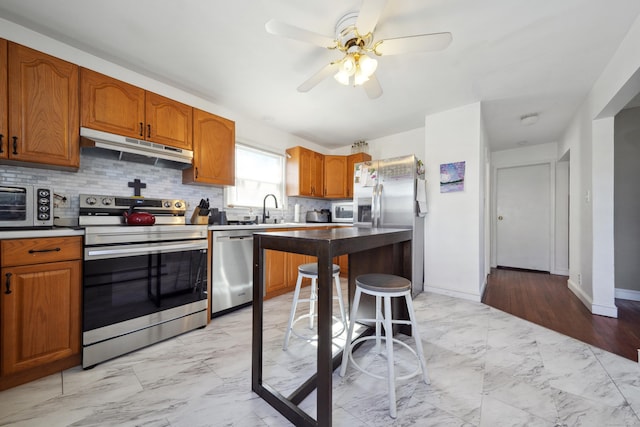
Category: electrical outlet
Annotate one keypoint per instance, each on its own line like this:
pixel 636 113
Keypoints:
pixel 61 201
pixel 579 279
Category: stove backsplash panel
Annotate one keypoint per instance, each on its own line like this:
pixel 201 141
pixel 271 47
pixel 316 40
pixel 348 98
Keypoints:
pixel 111 177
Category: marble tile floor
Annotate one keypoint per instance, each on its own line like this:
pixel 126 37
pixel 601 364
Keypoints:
pixel 487 368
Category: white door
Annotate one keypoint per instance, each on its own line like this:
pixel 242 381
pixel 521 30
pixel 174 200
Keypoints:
pixel 523 217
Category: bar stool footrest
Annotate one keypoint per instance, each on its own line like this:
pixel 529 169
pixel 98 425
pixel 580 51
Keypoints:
pixel 418 370
pixel 315 338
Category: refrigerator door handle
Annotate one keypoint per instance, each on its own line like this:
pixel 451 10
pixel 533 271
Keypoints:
pixel 380 221
pixel 378 208
pixel 374 203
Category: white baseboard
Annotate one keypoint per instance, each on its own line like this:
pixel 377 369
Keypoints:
pixel 629 294
pixel 455 294
pixel 484 286
pixel 601 310
pixel 560 272
pixel 586 299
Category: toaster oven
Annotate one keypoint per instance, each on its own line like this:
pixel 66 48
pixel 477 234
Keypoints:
pixel 24 206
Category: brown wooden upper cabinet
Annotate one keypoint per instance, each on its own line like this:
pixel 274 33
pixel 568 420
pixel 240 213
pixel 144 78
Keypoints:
pixel 214 149
pixel 4 101
pixel 304 172
pixel 111 105
pixel 351 161
pixel 335 177
pixel 311 174
pixel 38 108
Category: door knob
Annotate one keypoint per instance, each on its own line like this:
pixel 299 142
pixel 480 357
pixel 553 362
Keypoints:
pixel 500 218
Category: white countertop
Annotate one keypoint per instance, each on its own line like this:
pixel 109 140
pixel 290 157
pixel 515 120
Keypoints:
pixel 71 231
pixel 41 232
pixel 258 227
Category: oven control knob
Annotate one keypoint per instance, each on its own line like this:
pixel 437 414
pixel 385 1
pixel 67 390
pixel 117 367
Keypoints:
pixel 167 204
pixel 91 200
pixel 178 204
pixel 106 201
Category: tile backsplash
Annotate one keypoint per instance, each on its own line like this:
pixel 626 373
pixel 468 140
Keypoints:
pixel 106 176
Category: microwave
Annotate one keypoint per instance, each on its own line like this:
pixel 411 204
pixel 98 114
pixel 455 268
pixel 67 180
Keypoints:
pixel 342 212
pixel 26 206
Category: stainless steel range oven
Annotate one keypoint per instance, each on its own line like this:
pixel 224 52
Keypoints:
pixel 141 284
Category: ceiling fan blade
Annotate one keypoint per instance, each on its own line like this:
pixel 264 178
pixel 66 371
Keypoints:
pixel 296 33
pixel 325 72
pixel 369 14
pixel 372 87
pixel 419 43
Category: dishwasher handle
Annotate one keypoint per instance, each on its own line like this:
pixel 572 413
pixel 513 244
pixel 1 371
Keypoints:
pixel 232 238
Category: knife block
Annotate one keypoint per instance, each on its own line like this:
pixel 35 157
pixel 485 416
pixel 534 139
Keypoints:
pixel 196 218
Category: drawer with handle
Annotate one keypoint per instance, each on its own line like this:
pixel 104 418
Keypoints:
pixel 35 251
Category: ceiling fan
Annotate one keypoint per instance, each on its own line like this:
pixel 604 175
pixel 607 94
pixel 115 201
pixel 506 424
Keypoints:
pixel 354 37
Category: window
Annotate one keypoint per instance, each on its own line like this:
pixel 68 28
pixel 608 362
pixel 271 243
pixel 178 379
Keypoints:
pixel 258 173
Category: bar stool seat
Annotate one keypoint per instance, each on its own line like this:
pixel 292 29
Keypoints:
pixel 310 271
pixel 384 287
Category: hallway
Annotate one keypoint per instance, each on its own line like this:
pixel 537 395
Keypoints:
pixel 546 300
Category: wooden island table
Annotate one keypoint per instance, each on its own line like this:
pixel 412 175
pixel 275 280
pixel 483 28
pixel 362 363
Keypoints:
pixel 370 250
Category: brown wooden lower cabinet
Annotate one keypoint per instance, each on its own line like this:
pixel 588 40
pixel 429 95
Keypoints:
pixel 281 268
pixel 281 272
pixel 40 317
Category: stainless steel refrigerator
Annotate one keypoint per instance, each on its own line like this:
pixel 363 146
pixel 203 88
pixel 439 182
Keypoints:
pixel 390 193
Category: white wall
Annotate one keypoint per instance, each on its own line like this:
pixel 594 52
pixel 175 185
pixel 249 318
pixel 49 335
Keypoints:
pixel 396 145
pixel 454 228
pixel 589 139
pixel 561 218
pixel 627 204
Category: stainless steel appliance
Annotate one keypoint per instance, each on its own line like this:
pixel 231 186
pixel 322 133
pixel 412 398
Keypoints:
pixel 323 215
pixel 141 284
pixel 385 195
pixel 23 206
pixel 134 150
pixel 232 270
pixel 342 212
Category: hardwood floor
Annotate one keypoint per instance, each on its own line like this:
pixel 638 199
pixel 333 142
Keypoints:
pixel 546 300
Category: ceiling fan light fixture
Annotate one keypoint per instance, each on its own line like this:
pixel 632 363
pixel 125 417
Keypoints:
pixel 349 65
pixel 342 78
pixel 367 65
pixel 360 78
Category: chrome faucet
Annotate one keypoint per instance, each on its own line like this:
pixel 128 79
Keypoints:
pixel 264 208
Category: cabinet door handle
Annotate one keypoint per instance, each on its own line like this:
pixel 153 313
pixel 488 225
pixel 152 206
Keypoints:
pixel 1 136
pixel 196 173
pixel 8 284
pixel 141 128
pixel 15 145
pixel 33 251
pixel 148 131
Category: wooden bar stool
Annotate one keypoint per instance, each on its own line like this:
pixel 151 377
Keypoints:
pixel 311 271
pixel 384 287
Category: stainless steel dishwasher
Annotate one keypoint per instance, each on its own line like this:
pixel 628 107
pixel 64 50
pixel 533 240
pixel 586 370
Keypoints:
pixel 231 270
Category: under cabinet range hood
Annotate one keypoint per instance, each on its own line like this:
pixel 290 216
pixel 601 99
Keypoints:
pixel 134 150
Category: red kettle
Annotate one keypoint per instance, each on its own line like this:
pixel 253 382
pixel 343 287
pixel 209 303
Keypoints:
pixel 138 218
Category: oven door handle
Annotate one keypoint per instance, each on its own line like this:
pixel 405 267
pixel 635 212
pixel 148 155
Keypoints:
pixel 145 249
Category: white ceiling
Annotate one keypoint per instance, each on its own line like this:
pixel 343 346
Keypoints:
pixel 516 56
